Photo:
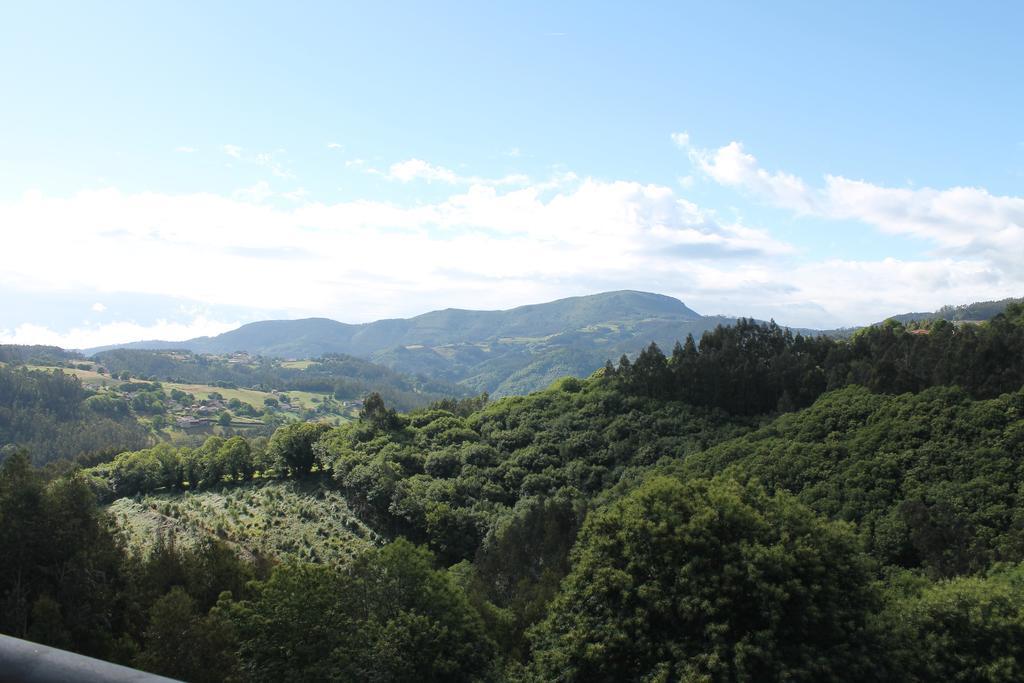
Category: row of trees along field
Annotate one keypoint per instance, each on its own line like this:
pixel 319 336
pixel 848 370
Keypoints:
pixel 342 376
pixel 650 523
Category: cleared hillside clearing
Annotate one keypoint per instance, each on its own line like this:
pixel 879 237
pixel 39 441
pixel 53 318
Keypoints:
pixel 279 519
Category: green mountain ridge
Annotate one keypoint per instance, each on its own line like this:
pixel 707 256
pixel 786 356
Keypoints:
pixel 501 352
pixel 308 337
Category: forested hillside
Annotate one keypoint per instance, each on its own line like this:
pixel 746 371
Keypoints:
pixel 932 480
pixel 343 377
pixel 50 414
pixel 20 354
pixel 60 405
pixel 756 505
pixel 977 311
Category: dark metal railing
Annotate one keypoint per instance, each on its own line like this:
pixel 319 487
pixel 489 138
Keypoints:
pixel 25 662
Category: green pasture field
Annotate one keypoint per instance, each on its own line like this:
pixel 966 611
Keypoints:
pixel 89 378
pixel 300 399
pixel 297 364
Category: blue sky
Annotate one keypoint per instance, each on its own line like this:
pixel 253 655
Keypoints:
pixel 174 170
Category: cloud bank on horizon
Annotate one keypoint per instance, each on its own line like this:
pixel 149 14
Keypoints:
pixel 500 243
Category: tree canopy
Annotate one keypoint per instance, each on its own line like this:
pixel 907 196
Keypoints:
pixel 710 580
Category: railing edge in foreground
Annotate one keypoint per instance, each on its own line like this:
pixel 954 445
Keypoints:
pixel 22 661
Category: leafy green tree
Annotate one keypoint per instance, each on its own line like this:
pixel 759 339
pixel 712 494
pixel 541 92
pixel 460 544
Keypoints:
pixel 146 470
pixel 390 617
pixel 208 461
pixel 291 627
pixel 236 458
pixel 963 630
pixel 376 413
pixel 710 580
pixel 523 559
pixel 61 564
pixel 107 404
pixel 149 402
pixel 47 624
pixel 181 642
pixel 291 447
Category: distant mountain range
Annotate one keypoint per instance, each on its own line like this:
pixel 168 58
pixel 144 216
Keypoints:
pixel 502 352
pixel 515 351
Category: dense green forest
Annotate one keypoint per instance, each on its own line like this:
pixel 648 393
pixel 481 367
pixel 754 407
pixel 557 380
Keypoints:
pixel 755 506
pixel 21 354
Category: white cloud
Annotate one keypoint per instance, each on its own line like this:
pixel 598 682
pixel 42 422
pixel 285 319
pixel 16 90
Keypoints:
pixel 730 165
pixel 114 333
pixel 258 192
pixel 267 160
pixel 960 218
pixel 297 195
pixel 487 245
pixel 682 139
pixel 859 292
pixel 483 246
pixel 98 307
pixel 185 150
pixel 968 222
pixel 335 145
pixel 417 169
